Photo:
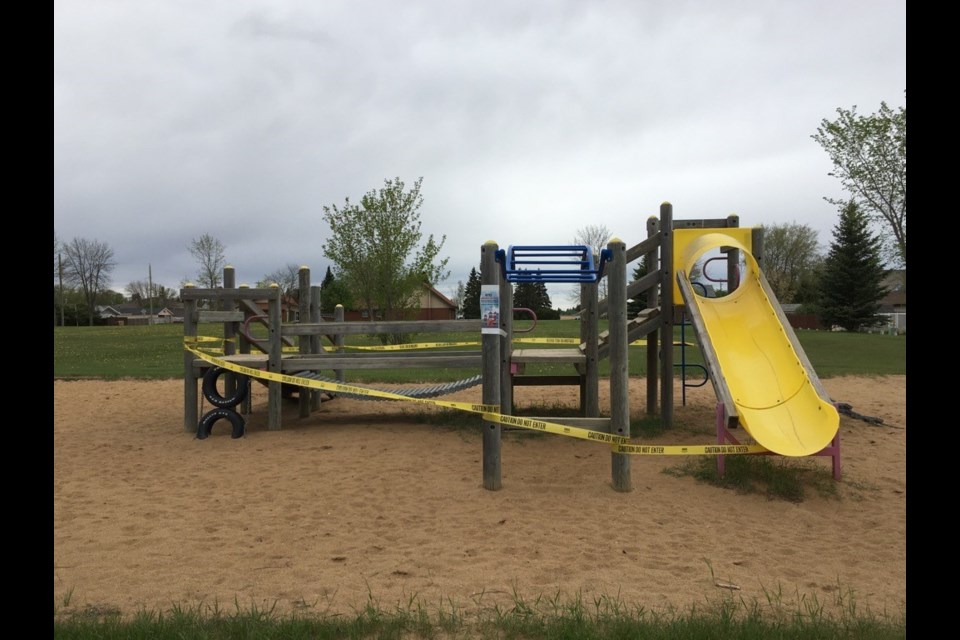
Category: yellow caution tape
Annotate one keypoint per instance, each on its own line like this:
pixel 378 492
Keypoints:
pixel 336 386
pixel 418 345
pixel 333 349
pixel 553 427
pixel 548 340
pixel 437 345
pixel 619 444
pixel 688 449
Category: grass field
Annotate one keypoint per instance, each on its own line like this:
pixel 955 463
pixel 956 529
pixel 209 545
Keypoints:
pixel 541 619
pixel 156 352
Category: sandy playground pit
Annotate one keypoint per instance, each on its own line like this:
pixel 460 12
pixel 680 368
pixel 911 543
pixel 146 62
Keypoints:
pixel 361 501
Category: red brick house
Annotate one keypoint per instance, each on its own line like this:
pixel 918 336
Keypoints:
pixel 433 306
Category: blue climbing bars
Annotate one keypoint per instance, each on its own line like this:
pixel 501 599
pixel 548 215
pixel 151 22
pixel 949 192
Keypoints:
pixel 551 263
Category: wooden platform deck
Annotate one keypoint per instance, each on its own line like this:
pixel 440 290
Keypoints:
pixel 548 356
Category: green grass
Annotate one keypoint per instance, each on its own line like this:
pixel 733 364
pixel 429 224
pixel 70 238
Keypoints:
pixel 776 477
pixel 840 353
pixel 728 617
pixel 156 352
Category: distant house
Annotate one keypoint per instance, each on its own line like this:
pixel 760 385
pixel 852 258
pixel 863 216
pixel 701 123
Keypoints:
pixel 289 308
pixel 134 313
pixel 107 311
pixel 800 320
pixel 433 306
pixel 893 306
pixel 177 311
pixel 895 282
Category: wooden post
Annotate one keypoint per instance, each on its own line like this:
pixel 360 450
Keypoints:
pixel 246 407
pixel 590 336
pixel 191 419
pixel 229 328
pixel 303 312
pixel 619 373
pixel 756 245
pixel 315 346
pixel 506 346
pixel 490 275
pixel 651 262
pixel 666 312
pixel 274 360
pixel 339 339
pixel 733 258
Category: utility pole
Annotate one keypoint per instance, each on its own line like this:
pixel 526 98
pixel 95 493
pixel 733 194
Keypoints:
pixel 150 290
pixel 60 275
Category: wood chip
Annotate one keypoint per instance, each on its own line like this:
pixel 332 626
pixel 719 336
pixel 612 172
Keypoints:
pixel 727 585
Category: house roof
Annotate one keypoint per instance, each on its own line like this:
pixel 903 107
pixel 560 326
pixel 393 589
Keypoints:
pixel 447 301
pixel 132 309
pixel 897 298
pixel 895 279
pixel 135 309
pixel 107 310
pixel 285 302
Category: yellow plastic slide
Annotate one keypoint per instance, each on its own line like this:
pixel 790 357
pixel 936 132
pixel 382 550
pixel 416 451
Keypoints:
pixel 757 365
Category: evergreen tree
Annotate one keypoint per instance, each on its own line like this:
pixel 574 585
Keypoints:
pixel 334 292
pixel 525 296
pixel 328 278
pixel 534 295
pixel 544 309
pixel 851 285
pixel 471 296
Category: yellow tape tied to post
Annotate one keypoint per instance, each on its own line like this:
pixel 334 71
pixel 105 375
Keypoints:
pixel 490 413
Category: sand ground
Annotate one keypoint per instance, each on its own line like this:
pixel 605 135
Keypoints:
pixel 360 500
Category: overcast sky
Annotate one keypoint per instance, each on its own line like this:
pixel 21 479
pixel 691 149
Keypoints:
pixel 527 120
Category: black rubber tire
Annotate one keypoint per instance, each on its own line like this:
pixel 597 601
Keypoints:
pixel 213 416
pixel 212 394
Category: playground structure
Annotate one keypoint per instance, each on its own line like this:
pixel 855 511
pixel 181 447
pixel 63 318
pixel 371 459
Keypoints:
pixel 759 372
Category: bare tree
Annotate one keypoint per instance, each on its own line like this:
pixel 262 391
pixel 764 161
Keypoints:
pixel 164 295
pixel 57 277
pixel 791 253
pixel 209 252
pixel 88 266
pixel 287 277
pixel 139 291
pixel 595 236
